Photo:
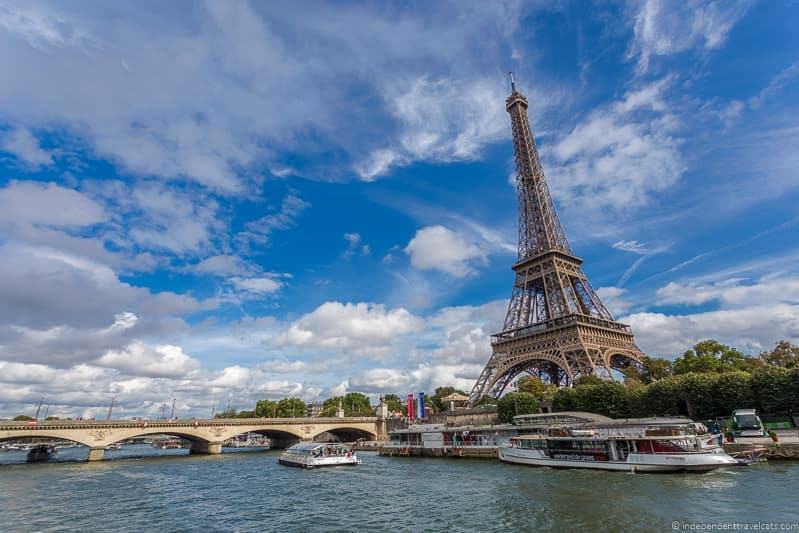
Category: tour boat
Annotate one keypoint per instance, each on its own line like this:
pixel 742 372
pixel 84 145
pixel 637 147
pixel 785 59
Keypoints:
pixel 114 446
pixel 681 446
pixel 318 454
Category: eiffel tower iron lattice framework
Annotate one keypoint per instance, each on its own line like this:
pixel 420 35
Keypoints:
pixel 556 326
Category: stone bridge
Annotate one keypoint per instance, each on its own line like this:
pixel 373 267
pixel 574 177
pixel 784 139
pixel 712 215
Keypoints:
pixel 204 436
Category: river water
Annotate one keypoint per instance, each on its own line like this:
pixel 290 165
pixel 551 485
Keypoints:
pixel 246 490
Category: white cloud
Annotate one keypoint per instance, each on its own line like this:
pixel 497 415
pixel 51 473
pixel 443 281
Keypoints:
pixel 665 28
pixel 614 300
pixel 222 265
pixel 26 147
pixel 422 378
pixel 439 248
pixel 619 156
pixel 354 245
pixel 139 359
pixel 751 328
pixel 631 246
pixel 361 327
pixel 751 315
pixel 258 286
pixel 441 120
pixel 28 203
pixel 732 292
pixel 258 231
pixel 215 97
pixel 172 220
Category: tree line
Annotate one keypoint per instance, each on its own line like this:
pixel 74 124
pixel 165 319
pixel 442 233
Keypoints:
pixel 709 380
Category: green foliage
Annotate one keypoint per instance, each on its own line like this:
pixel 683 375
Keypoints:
pixel 588 380
pixel 486 401
pixel 291 408
pixel 661 397
pixel 710 356
pixel 605 398
pixel 516 403
pixel 245 414
pixel 784 354
pixel 565 400
pixel 52 418
pixel 698 395
pixel 543 392
pixel 354 404
pixel 393 402
pixel 266 408
pixel 22 418
pixel 655 368
pixel 792 389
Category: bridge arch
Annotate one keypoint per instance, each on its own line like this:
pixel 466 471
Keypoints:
pixel 42 435
pixel 347 434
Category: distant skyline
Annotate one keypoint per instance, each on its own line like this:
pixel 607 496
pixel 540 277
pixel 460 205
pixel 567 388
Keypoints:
pixel 234 201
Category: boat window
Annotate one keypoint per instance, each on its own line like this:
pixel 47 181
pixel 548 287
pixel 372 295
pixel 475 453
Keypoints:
pixel 665 446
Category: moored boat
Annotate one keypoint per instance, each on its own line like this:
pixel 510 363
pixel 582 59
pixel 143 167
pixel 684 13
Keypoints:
pixel 318 454
pixel 653 445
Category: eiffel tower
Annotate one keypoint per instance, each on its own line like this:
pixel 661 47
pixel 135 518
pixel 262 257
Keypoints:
pixel 556 326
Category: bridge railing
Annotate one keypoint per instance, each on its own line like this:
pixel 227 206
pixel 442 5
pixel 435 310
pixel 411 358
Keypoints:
pixel 183 422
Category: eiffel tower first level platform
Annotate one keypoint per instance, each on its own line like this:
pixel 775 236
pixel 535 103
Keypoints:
pixel 556 327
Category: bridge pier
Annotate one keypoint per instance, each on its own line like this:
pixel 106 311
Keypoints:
pixel 96 454
pixel 205 447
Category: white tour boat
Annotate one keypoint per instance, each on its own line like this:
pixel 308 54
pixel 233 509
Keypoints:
pixel 661 445
pixel 318 454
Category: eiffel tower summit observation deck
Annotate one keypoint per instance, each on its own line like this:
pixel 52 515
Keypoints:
pixel 556 326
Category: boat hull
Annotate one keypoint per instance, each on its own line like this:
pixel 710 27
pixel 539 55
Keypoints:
pixel 302 464
pixel 634 462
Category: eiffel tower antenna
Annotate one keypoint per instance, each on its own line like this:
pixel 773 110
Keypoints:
pixel 556 327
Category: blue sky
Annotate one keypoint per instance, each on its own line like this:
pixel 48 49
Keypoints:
pixel 233 201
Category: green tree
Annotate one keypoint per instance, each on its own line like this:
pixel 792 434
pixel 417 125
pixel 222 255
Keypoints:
pixel 565 400
pixel 606 398
pixel 655 368
pixel 516 403
pixel 22 418
pixel 784 354
pixel 266 408
pixel 588 380
pixel 486 401
pixel 710 356
pixel 245 414
pixel 770 386
pixel 393 402
pixel 291 408
pixel 354 404
pixel 543 392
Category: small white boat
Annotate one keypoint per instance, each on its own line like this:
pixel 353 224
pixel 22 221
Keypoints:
pixel 318 454
pixel 676 447
pixel 114 446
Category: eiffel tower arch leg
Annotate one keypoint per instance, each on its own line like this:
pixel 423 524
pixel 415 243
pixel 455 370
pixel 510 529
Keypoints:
pixel 620 359
pixel 502 368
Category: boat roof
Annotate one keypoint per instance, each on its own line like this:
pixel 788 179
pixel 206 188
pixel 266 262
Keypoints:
pixel 581 415
pixel 307 446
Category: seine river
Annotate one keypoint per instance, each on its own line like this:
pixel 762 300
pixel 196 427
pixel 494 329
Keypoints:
pixel 248 491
